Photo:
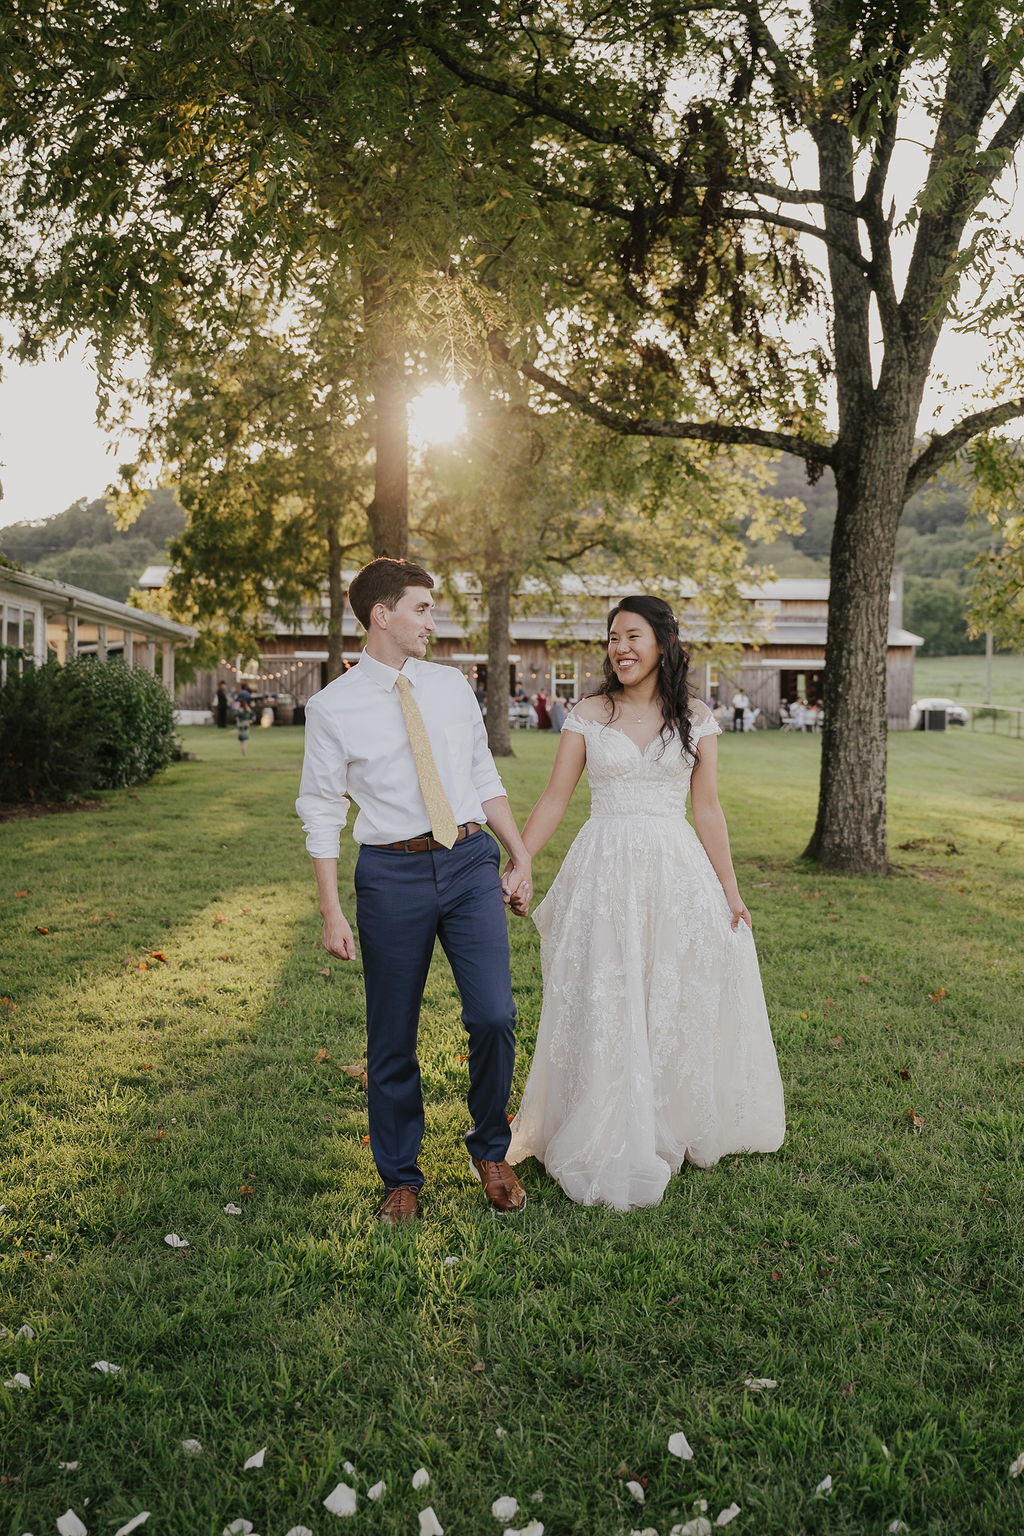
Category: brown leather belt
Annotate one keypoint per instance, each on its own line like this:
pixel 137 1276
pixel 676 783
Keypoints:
pixel 428 842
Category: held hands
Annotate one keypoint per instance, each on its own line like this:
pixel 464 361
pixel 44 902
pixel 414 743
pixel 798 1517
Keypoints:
pixel 337 937
pixel 517 886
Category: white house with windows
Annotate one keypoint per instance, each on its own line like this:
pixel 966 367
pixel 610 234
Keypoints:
pixel 48 618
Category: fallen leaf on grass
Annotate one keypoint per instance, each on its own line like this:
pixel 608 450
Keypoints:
pixel 105 1368
pixel 916 1120
pixel 430 1525
pixel 341 1500
pixel 864 977
pixel 160 1134
pixel 356 1069
pixel 463 1055
pixel 68 1524
pixel 364 1141
pixel 174 1241
pixel 478 1366
pixel 678 1445
pixel 903 1072
pixel 776 1274
pixel 143 965
pixel 725 1515
pixel 255 1460
pixel 759 1383
pixel 19 1379
pixel 321 1055
pixel 220 918
pixel 20 893
pixel 133 1525
pixel 937 997
pixel 41 930
pixel 148 1067
pixel 421 1478
pixel 504 1508
pixel 246 1189
pixel 158 954
pixel 323 970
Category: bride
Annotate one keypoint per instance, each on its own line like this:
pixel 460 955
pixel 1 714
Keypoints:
pixel 653 1046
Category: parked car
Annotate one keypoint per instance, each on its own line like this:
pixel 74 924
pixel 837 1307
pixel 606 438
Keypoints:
pixel 956 714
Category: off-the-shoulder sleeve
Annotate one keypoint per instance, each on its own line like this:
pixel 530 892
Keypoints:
pixel 703 723
pixel 572 723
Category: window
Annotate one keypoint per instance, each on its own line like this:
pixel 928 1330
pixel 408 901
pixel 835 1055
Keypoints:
pixel 18 631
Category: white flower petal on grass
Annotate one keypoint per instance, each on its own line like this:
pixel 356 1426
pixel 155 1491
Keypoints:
pixel 347 1466
pixel 679 1446
pixel 239 1527
pixel 19 1379
pixel 499 1433
pixel 648 1530
pixel 504 1508
pixel 133 1525
pixel 105 1367
pixel 725 1515
pixel 759 1383
pixel 68 1524
pixel 535 1528
pixel 1017 1467
pixel 299 1530
pixel 449 1260
pixel 255 1460
pixel 430 1525
pixel 232 1210
pixel 25 1332
pixel 636 1489
pixel 68 1466
pixel 192 1447
pixel 341 1500
pixel 699 1527
pixel 377 1491
pixel 896 1525
pixel 537 1497
pixel 174 1241
pixel 421 1478
pixel 825 1486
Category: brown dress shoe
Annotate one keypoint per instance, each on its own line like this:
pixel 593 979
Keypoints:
pixel 399 1206
pixel 501 1186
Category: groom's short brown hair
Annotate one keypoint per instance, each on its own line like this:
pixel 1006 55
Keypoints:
pixel 384 581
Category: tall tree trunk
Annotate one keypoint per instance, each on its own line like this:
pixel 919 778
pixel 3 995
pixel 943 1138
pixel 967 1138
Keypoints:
pixel 850 832
pixel 499 602
pixel 388 512
pixel 336 608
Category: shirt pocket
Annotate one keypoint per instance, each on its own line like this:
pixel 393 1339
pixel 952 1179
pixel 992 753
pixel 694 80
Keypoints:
pixel 459 740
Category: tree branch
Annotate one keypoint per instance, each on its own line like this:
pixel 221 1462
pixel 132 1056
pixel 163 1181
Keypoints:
pixel 645 426
pixel 853 256
pixel 945 445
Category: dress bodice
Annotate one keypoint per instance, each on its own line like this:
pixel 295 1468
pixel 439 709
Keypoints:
pixel 628 781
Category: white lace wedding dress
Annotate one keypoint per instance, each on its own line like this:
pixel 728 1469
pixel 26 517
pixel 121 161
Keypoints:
pixel 653 1046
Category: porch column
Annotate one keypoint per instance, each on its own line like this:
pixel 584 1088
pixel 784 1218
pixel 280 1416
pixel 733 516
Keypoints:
pixel 101 642
pixel 167 655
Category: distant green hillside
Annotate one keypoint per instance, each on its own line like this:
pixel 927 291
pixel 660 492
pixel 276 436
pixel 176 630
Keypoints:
pixel 936 544
pixel 85 547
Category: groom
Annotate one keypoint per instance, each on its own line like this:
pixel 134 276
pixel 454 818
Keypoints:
pixel 404 738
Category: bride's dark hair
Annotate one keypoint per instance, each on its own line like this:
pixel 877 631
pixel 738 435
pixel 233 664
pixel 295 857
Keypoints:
pixel 672 670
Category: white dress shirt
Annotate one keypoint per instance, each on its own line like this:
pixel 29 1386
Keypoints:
pixel 357 746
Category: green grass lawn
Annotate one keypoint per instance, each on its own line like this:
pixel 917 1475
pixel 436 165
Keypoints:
pixel 176 1041
pixel 963 677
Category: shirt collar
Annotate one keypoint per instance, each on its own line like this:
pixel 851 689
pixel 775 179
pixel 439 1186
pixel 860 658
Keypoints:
pixel 386 677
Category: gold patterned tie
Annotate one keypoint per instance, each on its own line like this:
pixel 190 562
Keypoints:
pixel 442 821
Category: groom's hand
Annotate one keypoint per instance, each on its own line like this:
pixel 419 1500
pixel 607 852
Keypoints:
pixel 337 937
pixel 517 886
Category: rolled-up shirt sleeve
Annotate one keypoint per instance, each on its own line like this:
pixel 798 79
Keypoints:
pixel 486 779
pixel 323 802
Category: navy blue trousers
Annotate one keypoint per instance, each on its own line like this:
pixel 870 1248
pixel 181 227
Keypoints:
pixel 404 901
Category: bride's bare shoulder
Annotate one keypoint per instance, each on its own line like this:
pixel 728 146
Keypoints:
pixel 596 707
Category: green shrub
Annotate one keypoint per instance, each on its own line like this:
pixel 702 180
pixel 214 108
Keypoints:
pixel 65 730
